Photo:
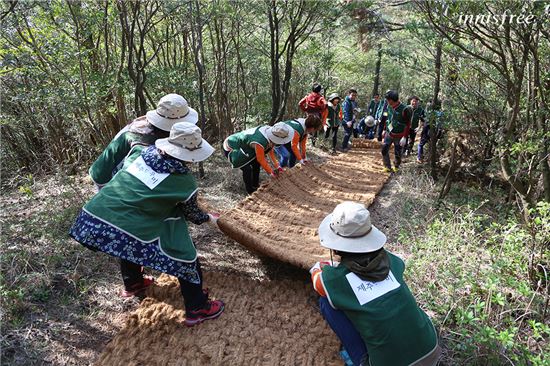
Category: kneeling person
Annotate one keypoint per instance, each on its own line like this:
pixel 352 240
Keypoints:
pixel 364 298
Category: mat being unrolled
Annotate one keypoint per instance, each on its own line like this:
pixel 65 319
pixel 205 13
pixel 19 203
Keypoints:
pixel 280 220
pixel 264 323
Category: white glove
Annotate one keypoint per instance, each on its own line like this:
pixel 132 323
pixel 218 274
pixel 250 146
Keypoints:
pixel 315 267
pixel 403 141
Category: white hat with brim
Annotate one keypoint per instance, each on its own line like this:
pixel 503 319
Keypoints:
pixel 171 109
pixel 348 229
pixel 185 143
pixel 280 133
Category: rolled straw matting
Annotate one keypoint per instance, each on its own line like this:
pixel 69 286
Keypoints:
pixel 280 220
pixel 265 323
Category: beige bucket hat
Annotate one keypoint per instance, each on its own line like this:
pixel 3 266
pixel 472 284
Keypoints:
pixel 172 108
pixel 349 229
pixel 280 133
pixel 185 143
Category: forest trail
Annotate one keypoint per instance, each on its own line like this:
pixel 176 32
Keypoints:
pixel 273 322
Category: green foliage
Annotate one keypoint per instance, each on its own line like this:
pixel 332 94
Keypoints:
pixel 478 282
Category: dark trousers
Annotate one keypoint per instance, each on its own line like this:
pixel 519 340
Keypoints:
pixel 334 131
pixel 345 331
pixel 424 138
pixel 410 142
pixel 251 176
pixel 381 128
pixel 193 296
pixel 348 131
pixel 291 157
pixel 386 151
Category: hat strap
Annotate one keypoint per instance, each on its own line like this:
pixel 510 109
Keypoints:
pixel 163 116
pixel 349 236
pixel 185 147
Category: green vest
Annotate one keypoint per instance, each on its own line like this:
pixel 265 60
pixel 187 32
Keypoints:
pixel 242 145
pixel 333 118
pixel 147 214
pixel 395 330
pixel 102 169
pixel 417 114
pixel 396 121
pixel 299 127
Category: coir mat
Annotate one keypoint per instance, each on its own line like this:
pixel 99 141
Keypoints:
pixel 264 323
pixel 280 220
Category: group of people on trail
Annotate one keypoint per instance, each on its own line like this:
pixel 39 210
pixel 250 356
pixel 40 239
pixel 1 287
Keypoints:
pixel 146 195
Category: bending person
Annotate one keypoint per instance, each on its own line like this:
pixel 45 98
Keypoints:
pixel 144 130
pixel 302 127
pixel 246 150
pixel 141 217
pixel 364 298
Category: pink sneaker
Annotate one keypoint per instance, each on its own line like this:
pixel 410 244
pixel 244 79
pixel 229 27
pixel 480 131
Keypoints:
pixel 211 310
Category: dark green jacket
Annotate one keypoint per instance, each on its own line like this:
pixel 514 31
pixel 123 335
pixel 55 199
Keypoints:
pixel 395 330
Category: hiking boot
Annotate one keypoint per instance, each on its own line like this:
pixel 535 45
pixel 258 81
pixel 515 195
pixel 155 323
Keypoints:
pixel 211 310
pixel 395 169
pixel 138 288
pixel 387 170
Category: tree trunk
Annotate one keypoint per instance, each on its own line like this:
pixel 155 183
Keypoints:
pixel 377 72
pixel 435 107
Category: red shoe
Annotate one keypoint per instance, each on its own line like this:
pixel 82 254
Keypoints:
pixel 138 287
pixel 211 310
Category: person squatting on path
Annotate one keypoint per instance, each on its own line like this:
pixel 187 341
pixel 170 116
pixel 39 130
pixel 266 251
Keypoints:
pixel 417 116
pixel 364 298
pixel 349 106
pixel 301 129
pixel 397 127
pixel 334 119
pixel 141 217
pixel 144 130
pixel 246 150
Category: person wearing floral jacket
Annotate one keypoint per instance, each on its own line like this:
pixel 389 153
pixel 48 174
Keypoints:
pixel 141 217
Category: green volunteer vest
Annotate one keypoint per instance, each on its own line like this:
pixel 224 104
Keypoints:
pixel 395 330
pixel 417 114
pixel 147 213
pixel 102 169
pixel 298 127
pixel 396 122
pixel 242 145
pixel 333 116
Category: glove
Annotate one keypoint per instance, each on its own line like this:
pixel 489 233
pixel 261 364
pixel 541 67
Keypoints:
pixel 316 266
pixel 403 141
pixel 213 219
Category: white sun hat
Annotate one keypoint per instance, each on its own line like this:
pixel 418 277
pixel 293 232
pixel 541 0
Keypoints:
pixel 369 121
pixel 349 229
pixel 185 143
pixel 172 108
pixel 280 133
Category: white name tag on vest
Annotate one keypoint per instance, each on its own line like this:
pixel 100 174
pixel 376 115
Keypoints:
pixel 145 174
pixel 366 291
